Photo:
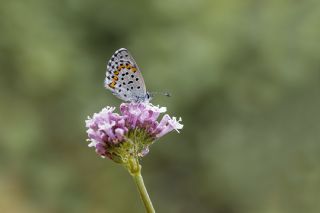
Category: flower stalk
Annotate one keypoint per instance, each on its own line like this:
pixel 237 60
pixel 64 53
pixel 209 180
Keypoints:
pixel 134 169
pixel 143 192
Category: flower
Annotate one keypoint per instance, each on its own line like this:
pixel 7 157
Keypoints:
pixel 130 133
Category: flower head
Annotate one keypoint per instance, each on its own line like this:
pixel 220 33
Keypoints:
pixel 130 133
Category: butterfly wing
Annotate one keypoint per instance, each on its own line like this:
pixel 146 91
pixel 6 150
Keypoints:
pixel 124 78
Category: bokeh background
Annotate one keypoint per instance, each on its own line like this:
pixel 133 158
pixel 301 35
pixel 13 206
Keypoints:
pixel 244 76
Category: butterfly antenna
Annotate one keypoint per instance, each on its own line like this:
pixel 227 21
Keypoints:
pixel 167 94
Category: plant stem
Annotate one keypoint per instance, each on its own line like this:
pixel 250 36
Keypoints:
pixel 143 192
pixel 134 168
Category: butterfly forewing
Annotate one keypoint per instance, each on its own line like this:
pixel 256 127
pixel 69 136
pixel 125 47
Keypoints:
pixel 124 78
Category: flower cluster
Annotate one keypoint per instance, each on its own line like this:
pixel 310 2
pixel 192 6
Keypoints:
pixel 130 133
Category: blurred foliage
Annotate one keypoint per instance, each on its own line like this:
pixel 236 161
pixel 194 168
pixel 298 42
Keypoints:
pixel 244 77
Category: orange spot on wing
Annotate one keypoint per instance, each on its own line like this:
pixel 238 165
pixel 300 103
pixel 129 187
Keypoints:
pixel 129 67
pixel 112 84
pixel 134 69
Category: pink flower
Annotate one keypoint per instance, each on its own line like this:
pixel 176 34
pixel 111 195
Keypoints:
pixel 135 128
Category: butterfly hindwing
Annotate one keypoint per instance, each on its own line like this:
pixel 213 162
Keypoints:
pixel 124 78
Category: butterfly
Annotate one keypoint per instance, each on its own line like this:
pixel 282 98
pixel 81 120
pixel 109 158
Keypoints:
pixel 124 78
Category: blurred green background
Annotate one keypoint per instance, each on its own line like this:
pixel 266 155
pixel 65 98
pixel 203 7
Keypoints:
pixel 244 76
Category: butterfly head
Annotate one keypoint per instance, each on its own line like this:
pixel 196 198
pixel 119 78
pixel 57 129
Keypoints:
pixel 146 98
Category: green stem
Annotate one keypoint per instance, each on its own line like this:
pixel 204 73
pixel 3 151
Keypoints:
pixel 143 192
pixel 135 170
